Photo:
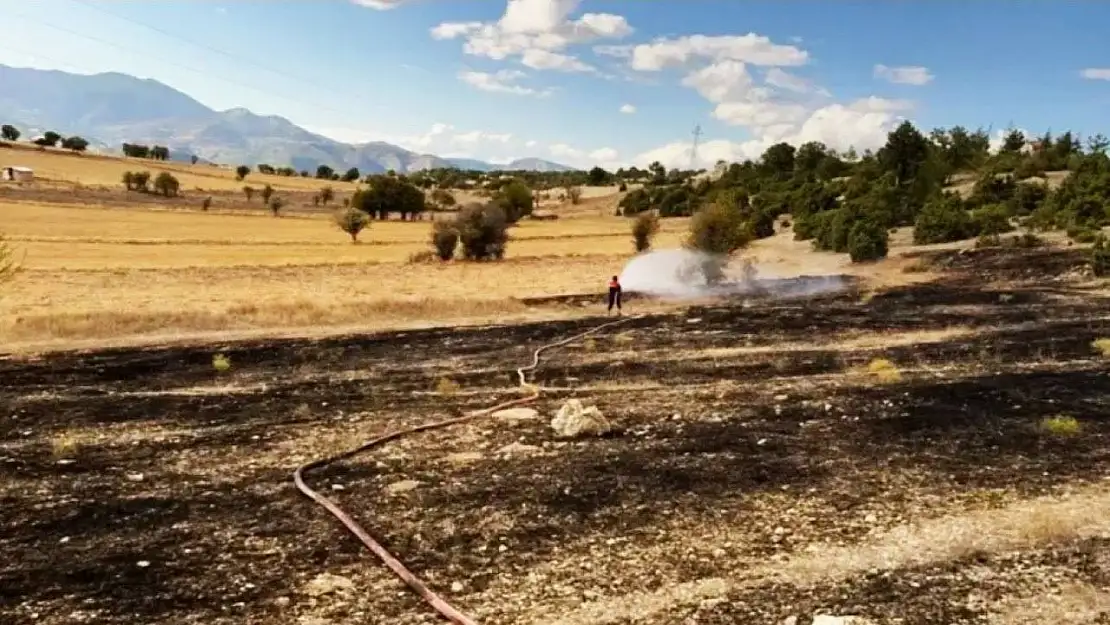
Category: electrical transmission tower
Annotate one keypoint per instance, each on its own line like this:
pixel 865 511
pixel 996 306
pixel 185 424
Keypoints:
pixel 694 149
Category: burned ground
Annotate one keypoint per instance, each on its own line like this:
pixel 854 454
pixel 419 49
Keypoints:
pixel 756 459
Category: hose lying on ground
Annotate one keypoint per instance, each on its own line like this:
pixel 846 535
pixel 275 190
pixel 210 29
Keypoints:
pixel 443 607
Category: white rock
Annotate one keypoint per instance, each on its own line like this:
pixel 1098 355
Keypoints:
pixel 825 619
pixel 403 486
pixel 456 587
pixel 327 583
pixel 513 449
pixel 574 420
pixel 135 477
pixel 143 564
pixel 516 414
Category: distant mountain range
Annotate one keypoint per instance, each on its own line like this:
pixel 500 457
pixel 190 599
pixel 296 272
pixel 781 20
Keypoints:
pixel 112 108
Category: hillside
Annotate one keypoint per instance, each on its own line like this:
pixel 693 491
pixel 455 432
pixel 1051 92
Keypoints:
pixel 112 108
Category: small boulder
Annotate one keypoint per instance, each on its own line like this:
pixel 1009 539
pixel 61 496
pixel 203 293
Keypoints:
pixel 327 583
pixel 403 486
pixel 513 415
pixel 575 420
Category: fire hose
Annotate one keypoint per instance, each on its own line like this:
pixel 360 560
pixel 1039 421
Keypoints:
pixel 441 606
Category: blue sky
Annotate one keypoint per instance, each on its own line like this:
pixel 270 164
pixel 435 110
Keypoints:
pixel 498 79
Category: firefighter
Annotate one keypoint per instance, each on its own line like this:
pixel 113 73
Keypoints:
pixel 614 295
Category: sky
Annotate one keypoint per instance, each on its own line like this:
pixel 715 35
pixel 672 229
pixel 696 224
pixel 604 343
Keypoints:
pixel 598 82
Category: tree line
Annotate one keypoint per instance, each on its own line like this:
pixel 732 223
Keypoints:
pixel 49 139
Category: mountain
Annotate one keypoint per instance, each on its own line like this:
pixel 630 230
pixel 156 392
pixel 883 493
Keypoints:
pixel 110 109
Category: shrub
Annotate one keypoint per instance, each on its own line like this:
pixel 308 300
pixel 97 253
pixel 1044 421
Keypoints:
pixel 942 220
pixel 644 230
pixel 574 194
pixel 622 188
pixel 1100 256
pixel 249 192
pixel 1061 425
pixel 1102 346
pixel 991 220
pixel 206 203
pixel 276 204
pixel 445 238
pixel 718 229
pixel 867 241
pixel 515 199
pixel 326 195
pixel 167 184
pixel 483 231
pixel 7 262
pixel 884 371
pixel 221 363
pixel 635 203
pixel 241 172
pixel 352 221
pixel 267 193
pixel 1082 234
pixel 423 257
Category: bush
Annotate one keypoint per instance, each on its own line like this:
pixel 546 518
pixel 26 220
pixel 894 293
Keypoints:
pixel 942 220
pixel 352 221
pixel 1100 256
pixel 445 238
pixel 483 231
pixel 622 188
pixel 991 220
pixel 644 230
pixel 167 184
pixel 515 199
pixel 276 204
pixel 7 262
pixel 206 203
pixel 326 195
pixel 241 172
pixel 1082 234
pixel 635 203
pixel 867 241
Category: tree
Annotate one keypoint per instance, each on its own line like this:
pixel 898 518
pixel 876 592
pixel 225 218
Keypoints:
pixel 635 203
pixel 351 175
pixel 1013 142
pixel 717 229
pixel 905 153
pixel 598 177
pixel 133 150
pixel 193 159
pixel 443 198
pixel 326 195
pixel 574 194
pixel 265 169
pixel 76 144
pixel 1096 144
pixel 516 200
pixel 445 238
pixel 242 172
pixel 389 194
pixel 267 193
pixel 352 221
pixel 867 241
pixel 942 220
pixel 644 229
pixel 160 153
pixel 276 204
pixel 9 132
pixel 778 160
pixel 483 231
pixel 249 192
pixel 324 172
pixel 136 180
pixel 166 184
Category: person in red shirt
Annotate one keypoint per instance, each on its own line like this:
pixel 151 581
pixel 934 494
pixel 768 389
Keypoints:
pixel 614 295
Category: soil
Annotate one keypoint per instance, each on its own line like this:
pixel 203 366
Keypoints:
pixel 146 486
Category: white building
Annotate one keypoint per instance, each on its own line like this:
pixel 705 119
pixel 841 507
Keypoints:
pixel 17 174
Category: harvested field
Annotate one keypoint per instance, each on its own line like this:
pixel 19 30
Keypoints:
pixel 743 483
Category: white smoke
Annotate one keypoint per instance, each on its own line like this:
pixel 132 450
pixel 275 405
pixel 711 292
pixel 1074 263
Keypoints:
pixel 684 274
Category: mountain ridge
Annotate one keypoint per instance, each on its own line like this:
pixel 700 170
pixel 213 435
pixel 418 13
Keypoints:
pixel 112 108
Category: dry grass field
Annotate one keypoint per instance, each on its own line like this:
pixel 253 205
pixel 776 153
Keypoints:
pixel 930 444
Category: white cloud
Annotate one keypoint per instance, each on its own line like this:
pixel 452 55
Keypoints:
pixel 530 143
pixel 606 158
pixel 907 75
pixel 536 31
pixel 863 124
pixel 785 80
pixel 750 48
pixel 1096 73
pixel 628 109
pixel 381 5
pixel 501 81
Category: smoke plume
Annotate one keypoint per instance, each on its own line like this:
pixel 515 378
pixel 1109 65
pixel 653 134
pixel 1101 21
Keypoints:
pixel 690 274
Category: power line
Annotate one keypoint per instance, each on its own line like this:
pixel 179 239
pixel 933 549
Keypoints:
pixel 204 46
pixel 207 73
pixel 694 148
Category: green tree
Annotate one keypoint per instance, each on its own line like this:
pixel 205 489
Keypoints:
pixel 867 241
pixel 445 238
pixel 905 153
pixel 1013 142
pixel 276 204
pixel 389 194
pixel 598 177
pixel 326 195
pixel 942 220
pixel 193 159
pixel 352 221
pixel 9 132
pixel 1100 256
pixel 351 175
pixel 267 193
pixel 242 172
pixel 635 203
pixel 443 198
pixel 778 160
pixel 266 169
pixel 516 200
pixel 483 231
pixel 166 184
pixel 323 172
pixel 644 229
pixel 76 144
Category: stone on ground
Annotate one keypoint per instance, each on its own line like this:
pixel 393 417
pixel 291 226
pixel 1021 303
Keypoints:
pixel 327 583
pixel 575 420
pixel 516 414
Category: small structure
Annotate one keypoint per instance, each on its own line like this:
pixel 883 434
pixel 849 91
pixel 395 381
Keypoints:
pixel 17 174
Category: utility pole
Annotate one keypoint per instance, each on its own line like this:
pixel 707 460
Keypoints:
pixel 694 149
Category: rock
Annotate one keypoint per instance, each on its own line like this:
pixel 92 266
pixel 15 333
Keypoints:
pixel 574 420
pixel 282 602
pixel 463 457
pixel 516 414
pixel 327 583
pixel 135 477
pixel 518 448
pixel 456 587
pixel 403 486
pixel 790 620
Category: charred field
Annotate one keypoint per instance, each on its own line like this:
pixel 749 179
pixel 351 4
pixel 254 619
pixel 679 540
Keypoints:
pixel 938 453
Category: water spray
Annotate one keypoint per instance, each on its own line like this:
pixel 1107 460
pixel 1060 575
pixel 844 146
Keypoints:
pixel 680 274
